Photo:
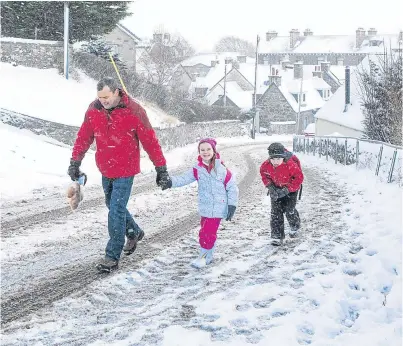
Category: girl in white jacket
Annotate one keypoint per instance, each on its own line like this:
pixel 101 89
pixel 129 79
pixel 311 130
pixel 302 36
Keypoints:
pixel 217 195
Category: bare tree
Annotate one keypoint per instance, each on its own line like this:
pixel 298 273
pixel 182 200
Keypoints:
pixel 380 90
pixel 235 44
pixel 165 54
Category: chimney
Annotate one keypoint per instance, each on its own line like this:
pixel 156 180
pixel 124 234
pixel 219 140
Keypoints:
pixel 347 88
pixel 298 70
pixel 325 66
pixel 167 37
pixel 241 58
pixel 294 36
pixel 276 79
pixel 308 32
pixel 270 35
pixel 213 63
pixel 372 32
pixel 285 62
pixel 317 72
pixel 157 37
pixel 359 37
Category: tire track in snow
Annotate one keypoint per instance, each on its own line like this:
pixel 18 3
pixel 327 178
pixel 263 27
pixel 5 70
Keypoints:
pixel 36 295
pixel 166 291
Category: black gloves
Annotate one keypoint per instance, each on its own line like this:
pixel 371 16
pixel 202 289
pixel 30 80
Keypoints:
pixel 163 178
pixel 74 170
pixel 282 192
pixel 231 212
pixel 276 192
pixel 272 191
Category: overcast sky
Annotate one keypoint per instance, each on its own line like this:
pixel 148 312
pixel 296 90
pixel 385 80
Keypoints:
pixel 204 22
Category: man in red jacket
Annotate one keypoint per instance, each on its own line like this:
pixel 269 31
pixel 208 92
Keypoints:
pixel 282 175
pixel 118 124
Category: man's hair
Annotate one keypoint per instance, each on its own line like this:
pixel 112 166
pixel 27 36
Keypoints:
pixel 109 82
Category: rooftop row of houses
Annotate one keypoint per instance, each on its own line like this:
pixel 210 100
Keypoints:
pixel 296 74
pixel 282 91
pixel 348 50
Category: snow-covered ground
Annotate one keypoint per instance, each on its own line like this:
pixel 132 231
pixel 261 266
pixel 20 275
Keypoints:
pixel 48 95
pixel 338 283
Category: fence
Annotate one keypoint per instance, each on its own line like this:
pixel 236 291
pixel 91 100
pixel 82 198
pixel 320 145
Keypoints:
pixel 383 158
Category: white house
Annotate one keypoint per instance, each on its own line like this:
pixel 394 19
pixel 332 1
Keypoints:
pixel 340 115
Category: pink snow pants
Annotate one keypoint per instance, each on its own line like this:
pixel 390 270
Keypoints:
pixel 208 232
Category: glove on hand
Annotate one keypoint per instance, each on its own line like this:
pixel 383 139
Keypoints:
pixel 272 191
pixel 231 212
pixel 74 170
pixel 163 179
pixel 282 192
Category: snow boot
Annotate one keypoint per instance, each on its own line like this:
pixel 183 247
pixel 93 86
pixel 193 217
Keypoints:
pixel 205 258
pixel 293 232
pixel 107 265
pixel 131 241
pixel 276 242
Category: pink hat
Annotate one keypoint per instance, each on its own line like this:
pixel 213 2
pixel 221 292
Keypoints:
pixel 210 141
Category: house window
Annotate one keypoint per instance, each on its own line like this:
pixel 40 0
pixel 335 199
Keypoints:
pixel 265 60
pixel 324 93
pixel 317 68
pixel 296 97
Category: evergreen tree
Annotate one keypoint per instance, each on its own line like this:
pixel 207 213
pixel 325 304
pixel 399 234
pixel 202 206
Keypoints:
pixel 100 48
pixel 44 20
pixel 381 94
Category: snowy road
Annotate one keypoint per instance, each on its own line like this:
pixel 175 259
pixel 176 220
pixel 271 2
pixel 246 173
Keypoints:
pixel 60 263
pixel 310 291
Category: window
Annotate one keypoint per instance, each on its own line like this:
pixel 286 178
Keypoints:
pixel 295 96
pixel 303 97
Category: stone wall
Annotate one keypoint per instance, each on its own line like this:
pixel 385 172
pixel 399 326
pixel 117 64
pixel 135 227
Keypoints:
pixel 169 138
pixel 33 53
pixel 274 107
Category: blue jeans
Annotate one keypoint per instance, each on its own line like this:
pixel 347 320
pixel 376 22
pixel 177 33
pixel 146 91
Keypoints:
pixel 117 192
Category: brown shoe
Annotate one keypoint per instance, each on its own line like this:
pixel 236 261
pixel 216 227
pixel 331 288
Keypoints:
pixel 131 243
pixel 107 265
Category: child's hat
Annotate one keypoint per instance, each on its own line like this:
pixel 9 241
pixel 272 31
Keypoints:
pixel 210 141
pixel 276 150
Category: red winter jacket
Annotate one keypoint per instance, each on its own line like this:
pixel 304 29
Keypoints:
pixel 117 133
pixel 288 174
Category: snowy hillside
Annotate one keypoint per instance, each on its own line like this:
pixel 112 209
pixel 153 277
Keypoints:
pixel 47 95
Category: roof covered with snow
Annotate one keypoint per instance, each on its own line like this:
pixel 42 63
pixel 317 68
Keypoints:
pixel 242 98
pixel 333 110
pixel 328 44
pixel 206 58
